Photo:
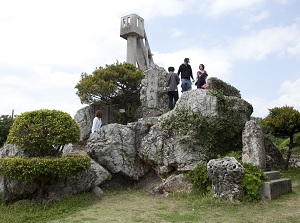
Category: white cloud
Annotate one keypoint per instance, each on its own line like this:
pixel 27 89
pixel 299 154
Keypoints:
pixel 290 94
pixel 176 32
pixel 221 7
pixel 278 40
pixel 256 18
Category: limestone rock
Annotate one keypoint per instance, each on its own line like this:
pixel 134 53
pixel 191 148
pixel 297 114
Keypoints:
pixel 275 156
pixel 253 144
pixel 115 148
pixel 153 95
pixel 198 128
pixel 225 174
pixel 84 118
pixel 87 180
pixel 173 184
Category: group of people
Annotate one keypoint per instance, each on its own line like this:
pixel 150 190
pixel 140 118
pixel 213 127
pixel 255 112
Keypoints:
pixel 185 70
pixel 173 80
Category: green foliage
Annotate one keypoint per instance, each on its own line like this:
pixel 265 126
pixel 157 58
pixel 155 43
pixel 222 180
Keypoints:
pixel 285 143
pixel 44 131
pixel 38 168
pixel 253 178
pixel 224 88
pixel 210 135
pixel 283 121
pixel 199 179
pixel 236 154
pixel 118 83
pixel 6 122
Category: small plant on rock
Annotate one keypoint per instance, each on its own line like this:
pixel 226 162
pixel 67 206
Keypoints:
pixel 199 179
pixel 253 178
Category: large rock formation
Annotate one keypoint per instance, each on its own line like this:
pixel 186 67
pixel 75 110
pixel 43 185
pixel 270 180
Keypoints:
pixel 200 127
pixel 203 124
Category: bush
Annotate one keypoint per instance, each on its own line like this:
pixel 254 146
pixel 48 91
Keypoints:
pixel 20 168
pixel 199 179
pixel 226 89
pixel 253 178
pixel 44 132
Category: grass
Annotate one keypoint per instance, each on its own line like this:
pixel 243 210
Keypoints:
pixel 137 206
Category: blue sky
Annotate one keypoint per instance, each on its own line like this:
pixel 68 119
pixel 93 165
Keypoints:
pixel 254 45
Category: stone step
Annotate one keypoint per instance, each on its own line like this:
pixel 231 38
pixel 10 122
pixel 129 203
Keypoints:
pixel 274 188
pixel 273 175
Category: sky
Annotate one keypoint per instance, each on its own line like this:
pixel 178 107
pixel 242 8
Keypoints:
pixel 253 45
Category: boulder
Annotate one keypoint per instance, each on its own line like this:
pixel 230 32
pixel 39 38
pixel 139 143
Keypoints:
pixel 225 174
pixel 115 148
pixel 274 156
pixel 253 144
pixel 173 184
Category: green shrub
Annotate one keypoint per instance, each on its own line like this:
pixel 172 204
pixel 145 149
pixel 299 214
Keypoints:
pixel 199 179
pixel 20 168
pixel 216 84
pixel 253 178
pixel 44 131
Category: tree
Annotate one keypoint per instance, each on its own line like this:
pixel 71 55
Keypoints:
pixel 284 122
pixel 118 83
pixel 6 122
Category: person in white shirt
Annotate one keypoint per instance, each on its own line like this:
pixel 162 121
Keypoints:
pixel 97 122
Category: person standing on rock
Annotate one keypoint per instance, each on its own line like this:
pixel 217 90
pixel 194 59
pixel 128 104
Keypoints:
pixel 185 70
pixel 172 82
pixel 97 122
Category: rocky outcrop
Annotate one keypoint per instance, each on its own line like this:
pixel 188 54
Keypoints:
pixel 115 148
pixel 225 175
pixel 198 128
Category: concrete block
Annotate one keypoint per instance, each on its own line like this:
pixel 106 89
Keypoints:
pixel 273 175
pixel 275 188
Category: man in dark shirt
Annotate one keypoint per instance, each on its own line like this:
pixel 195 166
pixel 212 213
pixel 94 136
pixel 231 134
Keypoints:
pixel 185 70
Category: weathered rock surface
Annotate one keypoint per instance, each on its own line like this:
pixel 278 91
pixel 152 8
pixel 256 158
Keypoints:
pixel 115 148
pixel 173 184
pixel 154 98
pixel 273 155
pixel 203 131
pixel 254 145
pixel 225 175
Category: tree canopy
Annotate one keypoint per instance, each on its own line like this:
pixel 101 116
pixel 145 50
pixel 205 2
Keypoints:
pixel 284 122
pixel 6 122
pixel 117 84
pixel 44 131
